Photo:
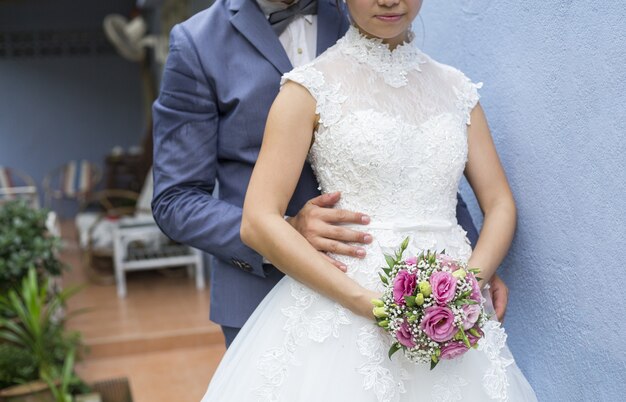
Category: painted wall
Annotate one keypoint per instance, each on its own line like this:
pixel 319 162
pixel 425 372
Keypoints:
pixel 58 108
pixel 555 97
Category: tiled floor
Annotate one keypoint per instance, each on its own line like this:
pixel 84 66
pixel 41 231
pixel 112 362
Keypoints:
pixel 159 336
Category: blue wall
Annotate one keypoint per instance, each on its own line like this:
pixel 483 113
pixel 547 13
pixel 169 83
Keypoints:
pixel 555 97
pixel 56 109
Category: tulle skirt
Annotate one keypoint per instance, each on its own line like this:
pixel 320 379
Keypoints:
pixel 301 346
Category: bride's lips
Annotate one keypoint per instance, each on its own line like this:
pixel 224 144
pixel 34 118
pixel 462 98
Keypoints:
pixel 389 17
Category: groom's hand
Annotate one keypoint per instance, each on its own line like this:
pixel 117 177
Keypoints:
pixel 499 295
pixel 317 222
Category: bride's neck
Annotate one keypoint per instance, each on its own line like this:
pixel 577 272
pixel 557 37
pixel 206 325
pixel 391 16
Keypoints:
pixel 391 42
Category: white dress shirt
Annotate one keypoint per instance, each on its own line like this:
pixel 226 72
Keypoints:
pixel 300 38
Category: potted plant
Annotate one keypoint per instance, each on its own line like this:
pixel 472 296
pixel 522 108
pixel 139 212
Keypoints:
pixel 37 354
pixel 29 322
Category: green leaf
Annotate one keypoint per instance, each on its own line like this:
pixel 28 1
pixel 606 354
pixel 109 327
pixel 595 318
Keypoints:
pixel 465 295
pixel 383 279
pixel 393 349
pixel 461 302
pixel 68 369
pixel 433 362
pixel 391 262
pixel 405 244
pixel 465 338
pixel 410 301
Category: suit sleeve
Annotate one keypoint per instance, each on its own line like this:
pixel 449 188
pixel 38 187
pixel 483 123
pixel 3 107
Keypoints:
pixel 186 121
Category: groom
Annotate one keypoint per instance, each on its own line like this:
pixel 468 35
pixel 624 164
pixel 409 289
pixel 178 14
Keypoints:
pixel 220 79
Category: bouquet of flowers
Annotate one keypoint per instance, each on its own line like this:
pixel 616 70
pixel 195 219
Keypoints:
pixel 431 306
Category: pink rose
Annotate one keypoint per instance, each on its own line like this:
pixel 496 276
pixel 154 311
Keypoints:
pixel 411 261
pixel 438 323
pixel 472 312
pixel 447 261
pixel 476 296
pixel 453 350
pixel 403 285
pixel 444 286
pixel 404 336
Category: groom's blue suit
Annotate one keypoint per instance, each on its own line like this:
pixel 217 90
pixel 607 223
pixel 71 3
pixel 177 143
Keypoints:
pixel 220 79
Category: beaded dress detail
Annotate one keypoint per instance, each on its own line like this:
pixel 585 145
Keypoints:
pixel 392 137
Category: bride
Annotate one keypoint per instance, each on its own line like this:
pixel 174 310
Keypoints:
pixel 393 130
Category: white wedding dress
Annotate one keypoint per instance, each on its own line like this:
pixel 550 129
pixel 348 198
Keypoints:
pixel 393 139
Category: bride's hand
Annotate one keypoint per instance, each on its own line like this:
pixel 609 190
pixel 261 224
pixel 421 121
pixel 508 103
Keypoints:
pixel 363 303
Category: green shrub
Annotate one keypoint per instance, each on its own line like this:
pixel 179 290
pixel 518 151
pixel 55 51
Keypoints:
pixel 25 243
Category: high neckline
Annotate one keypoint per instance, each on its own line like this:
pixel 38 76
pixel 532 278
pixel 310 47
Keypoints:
pixel 392 64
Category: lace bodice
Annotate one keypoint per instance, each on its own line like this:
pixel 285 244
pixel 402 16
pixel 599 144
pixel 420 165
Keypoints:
pixel 392 129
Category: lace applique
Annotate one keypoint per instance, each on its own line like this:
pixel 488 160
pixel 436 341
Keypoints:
pixel 467 97
pixel 448 389
pixel 327 96
pixel 273 364
pixel 376 376
pixel 392 183
pixel 495 380
pixel 393 65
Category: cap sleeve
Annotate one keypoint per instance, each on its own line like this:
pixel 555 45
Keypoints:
pixel 467 96
pixel 327 96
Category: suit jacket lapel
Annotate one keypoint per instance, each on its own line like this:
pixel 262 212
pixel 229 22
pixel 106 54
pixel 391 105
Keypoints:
pixel 331 24
pixel 249 20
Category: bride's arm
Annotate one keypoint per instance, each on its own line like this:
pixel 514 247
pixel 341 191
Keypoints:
pixel 485 174
pixel 286 142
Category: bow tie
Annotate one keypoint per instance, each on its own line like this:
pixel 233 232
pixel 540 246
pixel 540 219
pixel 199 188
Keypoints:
pixel 280 19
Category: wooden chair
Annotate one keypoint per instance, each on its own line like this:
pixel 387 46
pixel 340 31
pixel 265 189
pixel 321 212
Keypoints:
pixel 15 184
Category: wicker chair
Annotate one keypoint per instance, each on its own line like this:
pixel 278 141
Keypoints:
pixel 74 180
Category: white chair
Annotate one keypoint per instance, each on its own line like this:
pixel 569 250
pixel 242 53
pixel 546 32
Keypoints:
pixel 140 245
pixel 131 237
